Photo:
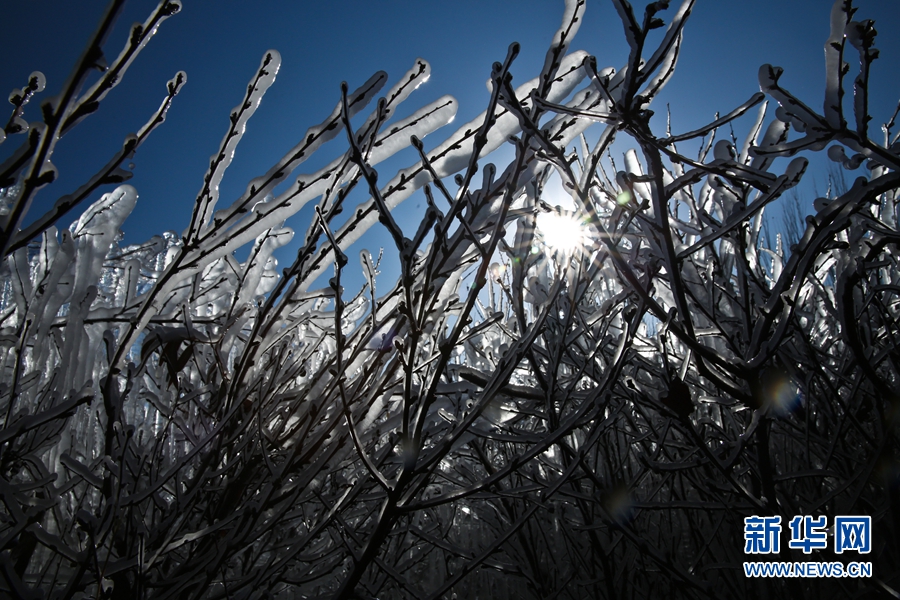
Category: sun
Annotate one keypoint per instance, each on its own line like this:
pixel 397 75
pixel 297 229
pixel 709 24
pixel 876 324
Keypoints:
pixel 561 232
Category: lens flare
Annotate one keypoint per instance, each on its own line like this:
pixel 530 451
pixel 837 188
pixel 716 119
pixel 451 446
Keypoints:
pixel 781 393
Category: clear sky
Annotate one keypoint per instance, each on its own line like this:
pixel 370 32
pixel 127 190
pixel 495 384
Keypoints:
pixel 219 44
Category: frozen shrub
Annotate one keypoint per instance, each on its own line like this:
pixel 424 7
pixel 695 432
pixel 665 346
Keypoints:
pixel 514 416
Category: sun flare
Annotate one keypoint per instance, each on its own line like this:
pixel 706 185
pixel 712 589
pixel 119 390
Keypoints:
pixel 561 232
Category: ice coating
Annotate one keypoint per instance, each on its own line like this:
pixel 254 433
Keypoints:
pixel 665 56
pixel 260 187
pixel 634 168
pixel 215 242
pixel 861 35
pixel 93 235
pixel 834 67
pixel 141 34
pixel 454 154
pixel 219 163
pixel 562 39
pixel 421 123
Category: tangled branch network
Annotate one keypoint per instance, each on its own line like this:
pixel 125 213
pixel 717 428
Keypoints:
pixel 546 403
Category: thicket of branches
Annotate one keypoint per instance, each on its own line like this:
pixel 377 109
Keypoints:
pixel 506 418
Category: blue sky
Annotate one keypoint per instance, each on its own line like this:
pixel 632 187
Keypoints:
pixel 219 44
